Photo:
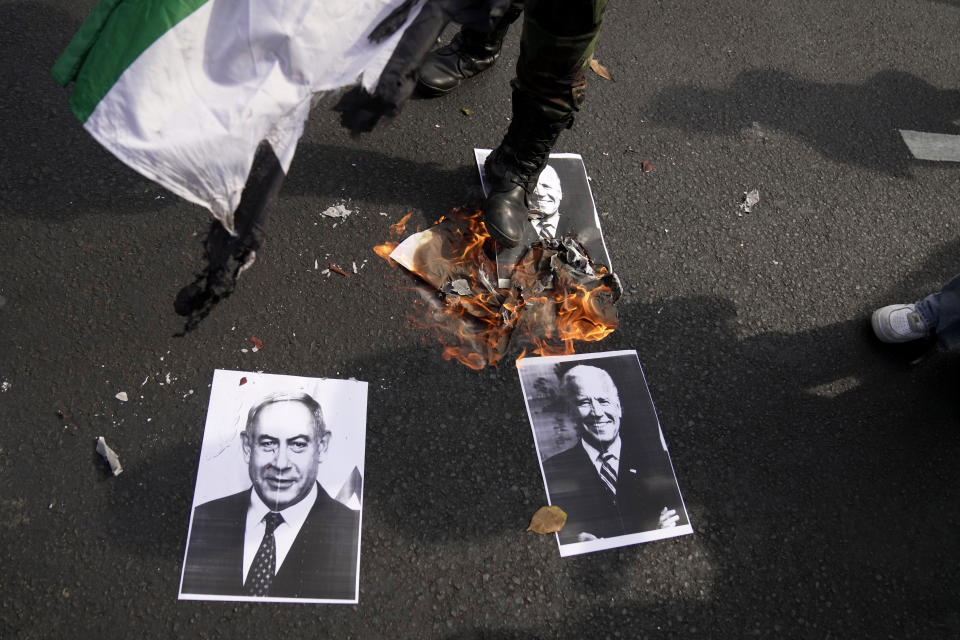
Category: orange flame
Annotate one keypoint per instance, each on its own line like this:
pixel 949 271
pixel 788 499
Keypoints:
pixel 397 228
pixel 476 329
pixel 384 250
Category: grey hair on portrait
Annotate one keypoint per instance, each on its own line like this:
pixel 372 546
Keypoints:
pixel 549 173
pixel 319 426
pixel 567 379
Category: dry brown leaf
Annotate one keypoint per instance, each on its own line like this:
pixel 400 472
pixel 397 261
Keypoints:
pixel 256 342
pixel 599 69
pixel 548 520
pixel 646 166
pixel 243 381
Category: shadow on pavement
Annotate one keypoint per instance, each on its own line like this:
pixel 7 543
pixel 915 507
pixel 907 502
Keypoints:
pixel 56 161
pixel 813 467
pixel 327 171
pixel 852 124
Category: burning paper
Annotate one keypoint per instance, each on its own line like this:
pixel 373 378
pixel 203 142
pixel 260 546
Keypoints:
pixel 109 455
pixel 282 457
pixel 602 453
pixel 554 297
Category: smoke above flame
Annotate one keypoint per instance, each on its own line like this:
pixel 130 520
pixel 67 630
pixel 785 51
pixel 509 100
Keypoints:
pixel 556 296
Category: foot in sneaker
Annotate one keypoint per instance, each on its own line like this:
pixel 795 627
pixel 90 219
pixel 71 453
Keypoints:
pixel 898 323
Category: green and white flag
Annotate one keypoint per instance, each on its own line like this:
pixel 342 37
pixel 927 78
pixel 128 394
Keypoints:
pixel 183 91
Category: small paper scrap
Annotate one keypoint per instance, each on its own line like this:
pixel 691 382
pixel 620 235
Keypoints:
pixel 109 455
pixel 548 520
pixel 122 396
pixel 336 211
pixel 749 200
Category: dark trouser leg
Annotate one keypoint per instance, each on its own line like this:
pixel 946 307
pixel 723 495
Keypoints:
pixel 941 312
pixel 226 256
pixel 263 184
pixel 559 37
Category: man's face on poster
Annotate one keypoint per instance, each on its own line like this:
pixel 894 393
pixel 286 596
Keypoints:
pixel 547 194
pixel 283 448
pixel 595 405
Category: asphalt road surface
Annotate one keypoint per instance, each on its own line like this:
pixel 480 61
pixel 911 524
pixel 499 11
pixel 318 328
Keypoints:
pixel 818 466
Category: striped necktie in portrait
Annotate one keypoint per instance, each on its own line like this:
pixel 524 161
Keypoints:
pixel 265 562
pixel 607 473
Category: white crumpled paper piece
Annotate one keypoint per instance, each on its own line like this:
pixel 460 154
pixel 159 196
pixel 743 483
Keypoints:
pixel 336 211
pixel 109 455
pixel 749 200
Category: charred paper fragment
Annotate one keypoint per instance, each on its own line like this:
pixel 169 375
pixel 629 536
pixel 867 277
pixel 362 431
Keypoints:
pixel 109 455
pixel 460 287
pixel 485 279
pixel 749 200
pixel 612 280
pixel 548 520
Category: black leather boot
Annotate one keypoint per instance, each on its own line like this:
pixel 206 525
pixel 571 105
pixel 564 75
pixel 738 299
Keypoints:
pixel 512 169
pixel 469 53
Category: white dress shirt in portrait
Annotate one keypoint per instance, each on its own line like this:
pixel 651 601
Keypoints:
pixel 285 534
pixel 550 222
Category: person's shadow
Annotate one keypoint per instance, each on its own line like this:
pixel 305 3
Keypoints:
pixel 814 455
pixel 852 124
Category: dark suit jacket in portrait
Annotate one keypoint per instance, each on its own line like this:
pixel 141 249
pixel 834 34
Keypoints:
pixel 321 563
pixel 645 485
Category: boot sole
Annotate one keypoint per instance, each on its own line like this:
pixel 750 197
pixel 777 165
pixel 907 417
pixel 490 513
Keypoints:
pixel 426 91
pixel 501 240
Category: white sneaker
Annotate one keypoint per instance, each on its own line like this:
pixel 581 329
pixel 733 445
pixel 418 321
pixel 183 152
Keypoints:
pixel 898 323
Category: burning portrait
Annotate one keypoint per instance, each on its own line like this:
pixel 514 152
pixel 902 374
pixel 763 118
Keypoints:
pixel 554 297
pixel 561 207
